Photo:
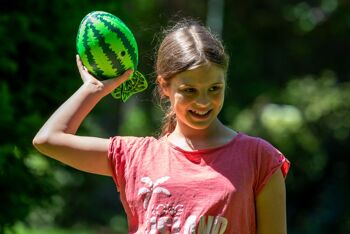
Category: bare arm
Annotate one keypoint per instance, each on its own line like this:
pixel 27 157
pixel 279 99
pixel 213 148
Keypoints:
pixel 271 206
pixel 57 138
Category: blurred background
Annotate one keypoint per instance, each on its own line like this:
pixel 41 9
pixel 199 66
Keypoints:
pixel 289 82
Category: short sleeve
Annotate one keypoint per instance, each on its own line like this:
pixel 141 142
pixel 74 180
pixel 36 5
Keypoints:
pixel 269 160
pixel 116 158
pixel 124 153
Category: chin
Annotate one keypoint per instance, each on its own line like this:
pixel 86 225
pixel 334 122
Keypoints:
pixel 200 126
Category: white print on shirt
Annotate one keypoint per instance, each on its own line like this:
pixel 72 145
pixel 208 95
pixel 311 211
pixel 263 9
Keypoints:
pixel 207 224
pixel 190 224
pixel 166 219
pixel 152 188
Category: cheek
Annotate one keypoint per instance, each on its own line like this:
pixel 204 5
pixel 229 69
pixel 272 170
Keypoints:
pixel 179 101
pixel 219 98
pixel 218 101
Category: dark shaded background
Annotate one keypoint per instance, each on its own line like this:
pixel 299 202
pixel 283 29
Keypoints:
pixel 289 83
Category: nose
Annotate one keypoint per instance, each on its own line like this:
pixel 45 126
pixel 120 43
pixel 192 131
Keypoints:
pixel 203 100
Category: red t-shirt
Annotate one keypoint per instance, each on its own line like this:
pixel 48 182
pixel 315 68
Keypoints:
pixel 165 189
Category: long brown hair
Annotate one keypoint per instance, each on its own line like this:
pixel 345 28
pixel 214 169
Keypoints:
pixel 185 46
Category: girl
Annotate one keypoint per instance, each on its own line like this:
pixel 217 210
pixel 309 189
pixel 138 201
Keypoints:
pixel 199 176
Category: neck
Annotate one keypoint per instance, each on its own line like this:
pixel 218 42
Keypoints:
pixel 190 133
pixel 191 139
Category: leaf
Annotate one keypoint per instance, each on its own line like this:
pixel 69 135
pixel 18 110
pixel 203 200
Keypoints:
pixel 143 190
pixel 147 181
pixel 161 180
pixel 161 190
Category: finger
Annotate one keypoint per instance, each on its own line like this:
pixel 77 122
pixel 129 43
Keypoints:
pixel 125 76
pixel 115 82
pixel 79 64
pixel 83 71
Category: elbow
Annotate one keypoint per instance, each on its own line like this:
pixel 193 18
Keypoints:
pixel 47 142
pixel 37 141
pixel 40 142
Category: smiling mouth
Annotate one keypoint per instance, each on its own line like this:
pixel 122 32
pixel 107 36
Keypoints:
pixel 200 114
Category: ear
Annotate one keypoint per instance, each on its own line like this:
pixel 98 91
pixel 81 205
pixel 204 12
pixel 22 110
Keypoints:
pixel 164 86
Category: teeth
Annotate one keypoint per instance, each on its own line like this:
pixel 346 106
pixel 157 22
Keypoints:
pixel 200 112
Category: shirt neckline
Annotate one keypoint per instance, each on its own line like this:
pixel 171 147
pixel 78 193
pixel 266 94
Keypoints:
pixel 201 151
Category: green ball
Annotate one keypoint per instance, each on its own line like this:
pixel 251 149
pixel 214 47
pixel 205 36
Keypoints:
pixel 107 48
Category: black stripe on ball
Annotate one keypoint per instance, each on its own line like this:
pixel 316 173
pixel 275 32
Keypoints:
pixel 96 70
pixel 111 55
pixel 121 35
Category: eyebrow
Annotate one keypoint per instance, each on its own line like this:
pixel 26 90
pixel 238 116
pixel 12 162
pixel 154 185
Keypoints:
pixel 189 84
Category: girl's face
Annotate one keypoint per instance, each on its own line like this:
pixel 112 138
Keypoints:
pixel 197 96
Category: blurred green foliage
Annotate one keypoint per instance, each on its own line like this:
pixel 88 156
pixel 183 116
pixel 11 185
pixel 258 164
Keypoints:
pixel 288 83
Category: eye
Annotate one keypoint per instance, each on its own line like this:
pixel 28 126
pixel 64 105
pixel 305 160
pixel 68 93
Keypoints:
pixel 215 88
pixel 122 53
pixel 188 90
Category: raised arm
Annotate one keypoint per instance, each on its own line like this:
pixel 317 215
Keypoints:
pixel 57 138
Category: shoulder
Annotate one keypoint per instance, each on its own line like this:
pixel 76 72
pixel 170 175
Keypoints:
pixel 267 156
pixel 122 141
pixel 257 143
pixel 243 141
pixel 261 151
pixel 125 148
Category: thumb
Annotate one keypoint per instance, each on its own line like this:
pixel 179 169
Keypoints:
pixel 125 75
pixel 115 82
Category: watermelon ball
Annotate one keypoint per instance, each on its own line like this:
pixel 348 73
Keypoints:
pixel 107 48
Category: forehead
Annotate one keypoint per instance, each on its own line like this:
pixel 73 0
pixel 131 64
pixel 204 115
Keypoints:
pixel 204 75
